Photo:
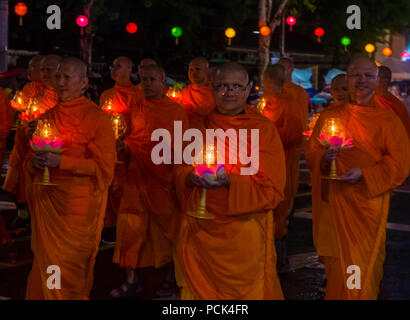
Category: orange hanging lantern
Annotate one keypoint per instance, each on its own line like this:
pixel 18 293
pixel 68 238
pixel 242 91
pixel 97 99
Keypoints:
pixel 230 33
pixel 20 9
pixel 387 52
pixel 265 31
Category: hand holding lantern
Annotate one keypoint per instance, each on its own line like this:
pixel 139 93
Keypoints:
pixel 207 176
pixel 108 106
pixel 174 93
pixel 45 140
pixel 333 137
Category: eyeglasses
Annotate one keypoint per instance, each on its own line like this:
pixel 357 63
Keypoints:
pixel 367 76
pixel 224 88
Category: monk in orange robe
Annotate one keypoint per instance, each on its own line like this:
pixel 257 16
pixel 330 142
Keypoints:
pixel 388 101
pixel 283 111
pixel 350 213
pixel 338 90
pixel 197 97
pixel 122 96
pixel 41 74
pixel 145 63
pixel 232 256
pixel 300 96
pixel 147 223
pixel 67 219
pixel 6 122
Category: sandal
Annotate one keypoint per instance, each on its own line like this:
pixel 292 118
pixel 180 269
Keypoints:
pixel 131 291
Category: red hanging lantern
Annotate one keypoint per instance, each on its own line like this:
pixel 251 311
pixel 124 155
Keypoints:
pixel 20 9
pixel 132 27
pixel 291 21
pixel 319 32
pixel 82 21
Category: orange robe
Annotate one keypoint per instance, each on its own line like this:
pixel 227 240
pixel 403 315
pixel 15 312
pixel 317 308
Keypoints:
pixel 233 255
pixel 67 219
pixel 394 104
pixel 124 97
pixel 300 96
pixel 148 221
pixel 6 122
pixel 349 220
pixel 198 101
pixel 284 112
pixel 16 178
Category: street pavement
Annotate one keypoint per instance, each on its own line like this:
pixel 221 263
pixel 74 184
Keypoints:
pixel 302 280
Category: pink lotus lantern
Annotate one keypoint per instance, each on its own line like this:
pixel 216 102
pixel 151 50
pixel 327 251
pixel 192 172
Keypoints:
pixel 333 135
pixel 45 139
pixel 32 111
pixel 210 170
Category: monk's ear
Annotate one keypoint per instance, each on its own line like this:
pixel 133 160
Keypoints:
pixel 84 84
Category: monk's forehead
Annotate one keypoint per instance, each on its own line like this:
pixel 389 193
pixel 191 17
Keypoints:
pixel 152 73
pixel 123 61
pixel 339 81
pixel 70 68
pixel 286 64
pixel 363 66
pixel 229 75
pixel 36 60
pixel 198 63
pixel 51 60
pixel 147 62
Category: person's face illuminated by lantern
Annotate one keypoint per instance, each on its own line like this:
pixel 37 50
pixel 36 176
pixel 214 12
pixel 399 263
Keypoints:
pixel 48 69
pixel 34 66
pixel 71 80
pixel 121 70
pixel 338 89
pixel 230 89
pixel 152 82
pixel 198 72
pixel 362 78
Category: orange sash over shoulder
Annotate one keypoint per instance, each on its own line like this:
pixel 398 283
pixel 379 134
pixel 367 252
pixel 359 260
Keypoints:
pixel 67 219
pixel 233 255
pixel 197 100
pixel 349 220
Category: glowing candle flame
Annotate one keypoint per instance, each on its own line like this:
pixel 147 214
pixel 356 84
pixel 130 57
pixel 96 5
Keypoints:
pixel 210 155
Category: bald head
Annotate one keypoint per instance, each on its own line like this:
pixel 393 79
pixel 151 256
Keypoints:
pixel 145 63
pixel 362 78
pixel 34 67
pixel 153 81
pixel 48 69
pixel 121 70
pixel 230 88
pixel 198 72
pixel 273 80
pixel 287 63
pixel 71 79
pixel 338 89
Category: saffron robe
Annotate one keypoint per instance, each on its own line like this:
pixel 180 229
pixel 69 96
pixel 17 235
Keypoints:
pixel 198 101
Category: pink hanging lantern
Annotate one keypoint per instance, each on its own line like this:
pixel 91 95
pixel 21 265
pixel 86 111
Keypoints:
pixel 82 21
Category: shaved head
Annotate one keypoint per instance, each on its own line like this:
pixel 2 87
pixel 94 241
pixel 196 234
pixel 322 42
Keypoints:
pixel 338 89
pixel 155 69
pixel 198 72
pixel 287 63
pixel 230 67
pixel 153 81
pixel 145 63
pixel 34 67
pixel 121 70
pixel 48 69
pixel 273 80
pixel 71 79
pixel 385 76
pixel 362 79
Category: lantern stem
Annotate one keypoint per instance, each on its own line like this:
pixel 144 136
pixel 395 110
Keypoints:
pixel 82 31
pixel 318 39
pixel 21 21
pixel 229 41
pixel 176 41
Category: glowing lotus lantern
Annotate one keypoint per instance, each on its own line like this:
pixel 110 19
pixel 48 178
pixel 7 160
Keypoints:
pixel 261 104
pixel 230 33
pixel 18 101
pixel 174 93
pixel 32 111
pixel 82 22
pixel 291 21
pixel 46 139
pixel 20 9
pixel 210 170
pixel 319 33
pixel 333 135
pixel 265 31
pixel 108 106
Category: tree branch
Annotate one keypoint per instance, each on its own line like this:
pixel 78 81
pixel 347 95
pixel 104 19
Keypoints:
pixel 277 18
